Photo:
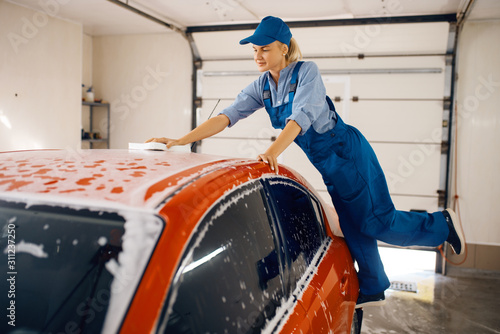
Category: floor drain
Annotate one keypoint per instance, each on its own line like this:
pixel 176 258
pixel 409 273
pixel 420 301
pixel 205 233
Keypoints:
pixel 404 286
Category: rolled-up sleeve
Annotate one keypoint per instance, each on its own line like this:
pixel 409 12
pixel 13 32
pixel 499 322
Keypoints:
pixel 246 103
pixel 302 120
pixel 309 102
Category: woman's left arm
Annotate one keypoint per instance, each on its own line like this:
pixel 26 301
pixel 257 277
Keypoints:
pixel 286 137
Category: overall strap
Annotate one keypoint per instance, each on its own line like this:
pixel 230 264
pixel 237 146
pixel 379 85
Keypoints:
pixel 293 81
pixel 267 95
pixel 293 87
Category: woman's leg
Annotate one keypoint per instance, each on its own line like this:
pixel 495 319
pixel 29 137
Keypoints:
pixel 361 197
pixel 371 208
pixel 364 250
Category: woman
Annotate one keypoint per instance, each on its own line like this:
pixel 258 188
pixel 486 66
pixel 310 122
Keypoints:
pixel 294 95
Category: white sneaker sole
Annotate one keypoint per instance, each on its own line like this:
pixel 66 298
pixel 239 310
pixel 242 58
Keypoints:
pixel 369 304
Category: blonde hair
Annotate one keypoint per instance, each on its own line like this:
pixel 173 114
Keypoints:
pixel 293 53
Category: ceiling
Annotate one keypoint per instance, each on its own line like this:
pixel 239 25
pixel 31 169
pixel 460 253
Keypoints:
pixel 102 17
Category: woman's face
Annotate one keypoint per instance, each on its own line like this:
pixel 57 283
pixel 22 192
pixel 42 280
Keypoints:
pixel 270 57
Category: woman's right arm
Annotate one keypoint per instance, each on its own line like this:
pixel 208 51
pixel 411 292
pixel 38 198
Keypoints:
pixel 207 129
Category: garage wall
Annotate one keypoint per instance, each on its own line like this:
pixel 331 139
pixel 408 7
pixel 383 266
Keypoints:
pixel 87 60
pixel 87 65
pixel 147 80
pixel 478 161
pixel 40 80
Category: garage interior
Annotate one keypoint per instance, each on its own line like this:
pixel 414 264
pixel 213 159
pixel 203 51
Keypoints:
pixel 420 79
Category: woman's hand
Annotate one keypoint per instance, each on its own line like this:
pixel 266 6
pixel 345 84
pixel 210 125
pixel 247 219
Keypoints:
pixel 207 129
pixel 271 160
pixel 167 141
pixel 286 137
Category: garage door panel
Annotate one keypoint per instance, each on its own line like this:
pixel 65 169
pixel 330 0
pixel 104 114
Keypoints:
pixel 338 40
pixel 211 108
pixel 399 113
pixel 235 148
pixel 405 175
pixel 398 121
pixel 215 87
pixel 403 203
pixel 208 106
pixel 386 62
pixel 409 168
pixel 379 38
pixel 407 203
pixel 398 86
pixel 222 44
pixel 332 64
pixel 256 126
pixel 210 67
pixel 338 87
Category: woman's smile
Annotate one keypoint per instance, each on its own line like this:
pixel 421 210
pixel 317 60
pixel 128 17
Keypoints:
pixel 270 58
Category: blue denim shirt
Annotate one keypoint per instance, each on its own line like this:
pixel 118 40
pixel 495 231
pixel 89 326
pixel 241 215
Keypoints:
pixel 310 107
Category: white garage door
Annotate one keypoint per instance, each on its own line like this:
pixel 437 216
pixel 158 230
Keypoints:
pixel 394 96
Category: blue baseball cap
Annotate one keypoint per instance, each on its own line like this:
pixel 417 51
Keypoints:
pixel 270 29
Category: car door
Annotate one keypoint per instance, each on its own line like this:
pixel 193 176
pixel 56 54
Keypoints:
pixel 230 276
pixel 302 230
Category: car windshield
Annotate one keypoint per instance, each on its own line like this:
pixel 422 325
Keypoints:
pixel 55 260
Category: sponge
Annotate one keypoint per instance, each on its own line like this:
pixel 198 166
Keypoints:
pixel 147 146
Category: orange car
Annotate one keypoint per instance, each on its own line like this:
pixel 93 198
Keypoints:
pixel 167 242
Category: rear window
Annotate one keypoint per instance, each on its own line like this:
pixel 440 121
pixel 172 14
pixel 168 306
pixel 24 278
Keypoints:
pixel 56 261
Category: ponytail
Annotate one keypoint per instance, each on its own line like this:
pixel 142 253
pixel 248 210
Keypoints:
pixel 294 53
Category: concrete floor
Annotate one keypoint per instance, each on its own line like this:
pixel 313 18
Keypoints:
pixel 464 301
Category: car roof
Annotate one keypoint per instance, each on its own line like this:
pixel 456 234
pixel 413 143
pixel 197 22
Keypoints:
pixel 126 177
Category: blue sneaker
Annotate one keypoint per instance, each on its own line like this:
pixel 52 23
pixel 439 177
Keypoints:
pixel 455 237
pixel 370 300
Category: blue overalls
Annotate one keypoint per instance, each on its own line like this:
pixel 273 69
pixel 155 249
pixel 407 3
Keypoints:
pixel 359 192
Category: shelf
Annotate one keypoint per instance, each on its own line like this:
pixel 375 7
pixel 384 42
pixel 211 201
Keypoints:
pixel 91 106
pixel 103 140
pixel 95 104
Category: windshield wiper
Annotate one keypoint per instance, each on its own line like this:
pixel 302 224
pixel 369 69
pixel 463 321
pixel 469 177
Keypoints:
pixel 103 255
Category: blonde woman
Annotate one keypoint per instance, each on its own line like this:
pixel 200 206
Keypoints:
pixel 295 98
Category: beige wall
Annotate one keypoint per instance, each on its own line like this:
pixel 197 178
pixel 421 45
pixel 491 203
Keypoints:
pixel 86 79
pixel 45 60
pixel 477 256
pixel 147 80
pixel 478 159
pixel 40 80
pixel 87 60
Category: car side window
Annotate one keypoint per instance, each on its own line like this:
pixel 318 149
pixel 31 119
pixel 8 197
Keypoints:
pixel 229 280
pixel 300 224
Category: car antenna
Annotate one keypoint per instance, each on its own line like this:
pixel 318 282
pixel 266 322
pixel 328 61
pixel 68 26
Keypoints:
pixel 192 145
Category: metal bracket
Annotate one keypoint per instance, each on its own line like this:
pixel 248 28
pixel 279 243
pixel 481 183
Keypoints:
pixel 445 146
pixel 441 198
